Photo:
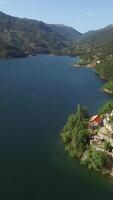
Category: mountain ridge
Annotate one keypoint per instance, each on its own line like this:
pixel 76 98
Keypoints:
pixel 93 43
pixel 22 36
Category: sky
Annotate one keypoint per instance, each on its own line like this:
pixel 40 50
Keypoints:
pixel 83 15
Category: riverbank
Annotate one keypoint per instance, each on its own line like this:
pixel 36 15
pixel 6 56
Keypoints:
pixel 94 65
pixel 77 65
pixel 85 63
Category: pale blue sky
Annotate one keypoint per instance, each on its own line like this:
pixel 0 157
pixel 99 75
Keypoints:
pixel 83 15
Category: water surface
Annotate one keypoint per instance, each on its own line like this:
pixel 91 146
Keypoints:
pixel 36 96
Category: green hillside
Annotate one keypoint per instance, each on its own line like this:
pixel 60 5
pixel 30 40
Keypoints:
pixel 96 48
pixel 94 44
pixel 19 37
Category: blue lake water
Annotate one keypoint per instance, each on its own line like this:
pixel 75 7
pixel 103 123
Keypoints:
pixel 36 96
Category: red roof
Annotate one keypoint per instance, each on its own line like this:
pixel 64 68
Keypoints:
pixel 96 120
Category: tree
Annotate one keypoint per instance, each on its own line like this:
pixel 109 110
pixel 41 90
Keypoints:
pixel 81 113
pixel 75 134
pixel 107 107
pixel 97 160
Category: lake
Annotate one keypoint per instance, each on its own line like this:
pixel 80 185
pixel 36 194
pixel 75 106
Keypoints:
pixel 37 94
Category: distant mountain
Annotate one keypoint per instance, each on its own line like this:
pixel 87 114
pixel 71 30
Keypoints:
pixel 99 37
pixel 95 42
pixel 96 48
pixel 68 33
pixel 19 37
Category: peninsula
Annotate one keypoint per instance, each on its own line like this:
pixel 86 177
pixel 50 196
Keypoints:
pixel 90 139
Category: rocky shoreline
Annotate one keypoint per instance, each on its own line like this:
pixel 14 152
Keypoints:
pixel 107 91
pixel 83 65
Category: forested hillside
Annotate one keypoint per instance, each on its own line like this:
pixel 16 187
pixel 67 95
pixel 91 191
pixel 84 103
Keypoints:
pixel 96 48
pixel 94 45
pixel 20 37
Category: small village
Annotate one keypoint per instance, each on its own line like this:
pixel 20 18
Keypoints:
pixel 101 128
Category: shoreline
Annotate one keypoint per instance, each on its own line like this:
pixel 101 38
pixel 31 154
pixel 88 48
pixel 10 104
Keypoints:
pixel 92 67
pixel 83 65
pixel 33 55
pixel 107 172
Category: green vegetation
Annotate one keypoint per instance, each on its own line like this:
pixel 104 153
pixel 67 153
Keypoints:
pixel 108 86
pixel 94 45
pixel 21 37
pixel 105 69
pixel 75 134
pixel 106 108
pixel 95 48
pixel 97 160
pixel 111 119
pixel 107 146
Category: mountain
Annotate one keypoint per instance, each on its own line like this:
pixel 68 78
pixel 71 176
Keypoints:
pixel 94 43
pixel 96 48
pixel 67 32
pixel 98 38
pixel 19 37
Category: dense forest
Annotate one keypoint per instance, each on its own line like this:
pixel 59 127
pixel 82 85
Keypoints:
pixel 75 133
pixel 21 37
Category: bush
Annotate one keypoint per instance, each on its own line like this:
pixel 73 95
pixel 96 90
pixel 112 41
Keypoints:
pixel 75 134
pixel 97 160
pixel 105 69
pixel 109 85
pixel 106 107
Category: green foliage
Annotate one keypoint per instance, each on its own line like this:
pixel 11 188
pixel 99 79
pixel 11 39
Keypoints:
pixel 111 119
pixel 76 137
pixel 105 69
pixel 109 86
pixel 20 37
pixel 75 134
pixel 81 113
pixel 81 139
pixel 67 137
pixel 96 160
pixel 94 43
pixel 106 108
pixel 107 146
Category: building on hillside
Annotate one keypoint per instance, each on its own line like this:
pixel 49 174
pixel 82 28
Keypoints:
pixel 95 121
